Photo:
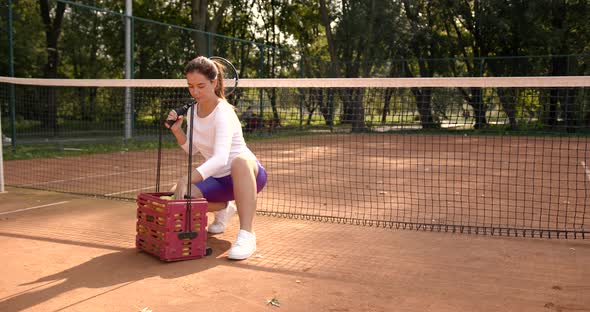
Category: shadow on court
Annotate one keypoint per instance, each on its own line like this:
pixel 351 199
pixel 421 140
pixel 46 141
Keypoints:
pixel 113 271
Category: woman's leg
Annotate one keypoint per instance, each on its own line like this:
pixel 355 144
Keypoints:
pixel 243 173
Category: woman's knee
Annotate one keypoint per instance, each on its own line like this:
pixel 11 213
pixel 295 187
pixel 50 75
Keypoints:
pixel 242 165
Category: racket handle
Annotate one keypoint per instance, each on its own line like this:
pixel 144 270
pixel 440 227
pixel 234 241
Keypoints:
pixel 180 111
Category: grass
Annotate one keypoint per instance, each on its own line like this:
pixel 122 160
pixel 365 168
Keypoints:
pixel 65 150
pixel 95 142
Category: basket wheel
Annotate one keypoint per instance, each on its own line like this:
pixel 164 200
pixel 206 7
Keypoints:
pixel 208 251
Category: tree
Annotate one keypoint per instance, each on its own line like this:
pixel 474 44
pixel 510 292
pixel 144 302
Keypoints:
pixel 305 24
pixel 567 35
pixel 52 33
pixel 206 18
pixel 470 29
pixel 353 44
pixel 513 30
pixel 424 45
pixel 327 23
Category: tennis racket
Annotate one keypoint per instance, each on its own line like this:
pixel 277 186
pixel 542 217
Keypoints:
pixel 230 84
pixel 230 75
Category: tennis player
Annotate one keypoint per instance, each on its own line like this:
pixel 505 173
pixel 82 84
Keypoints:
pixel 230 170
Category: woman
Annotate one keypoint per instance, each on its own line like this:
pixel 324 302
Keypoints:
pixel 230 171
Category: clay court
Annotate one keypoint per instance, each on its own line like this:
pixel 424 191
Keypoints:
pixel 403 174
pixel 67 252
pixel 72 253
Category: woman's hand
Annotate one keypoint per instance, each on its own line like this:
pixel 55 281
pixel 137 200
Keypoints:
pixel 181 189
pixel 173 116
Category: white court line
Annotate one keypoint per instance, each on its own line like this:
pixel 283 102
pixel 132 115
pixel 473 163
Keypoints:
pixel 36 207
pixel 90 177
pixel 583 163
pixel 135 190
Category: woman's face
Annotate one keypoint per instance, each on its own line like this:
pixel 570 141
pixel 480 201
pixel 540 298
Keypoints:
pixel 199 86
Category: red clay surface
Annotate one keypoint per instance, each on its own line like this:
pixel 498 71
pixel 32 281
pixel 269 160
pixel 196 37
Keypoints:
pixel 73 253
pixel 514 182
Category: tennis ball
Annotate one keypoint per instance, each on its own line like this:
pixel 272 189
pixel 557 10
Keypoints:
pixel 166 197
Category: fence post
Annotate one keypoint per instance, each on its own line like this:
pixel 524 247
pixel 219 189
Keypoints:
pixel 209 50
pixel 12 104
pixel 261 75
pixel 301 94
pixel 128 69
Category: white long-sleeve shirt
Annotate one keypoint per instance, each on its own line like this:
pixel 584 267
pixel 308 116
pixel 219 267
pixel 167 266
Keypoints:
pixel 218 137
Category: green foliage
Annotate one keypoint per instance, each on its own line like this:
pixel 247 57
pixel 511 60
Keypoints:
pixel 28 39
pixel 445 38
pixel 275 38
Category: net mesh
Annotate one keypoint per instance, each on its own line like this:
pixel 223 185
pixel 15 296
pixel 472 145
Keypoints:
pixel 504 156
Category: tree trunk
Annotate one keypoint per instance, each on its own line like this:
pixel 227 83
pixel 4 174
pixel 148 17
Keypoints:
pixel 310 115
pixel 386 105
pixel 52 33
pixel 326 105
pixel 213 25
pixel 88 112
pixel 353 109
pixel 331 44
pixel 423 96
pixel 508 102
pixel 571 109
pixel 199 20
pixel 368 43
pixel 423 99
pixel 276 119
pixel 551 114
pixel 479 107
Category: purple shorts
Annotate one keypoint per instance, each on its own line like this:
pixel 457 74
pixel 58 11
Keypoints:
pixel 222 189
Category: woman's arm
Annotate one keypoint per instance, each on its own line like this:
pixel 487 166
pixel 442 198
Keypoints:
pixel 176 127
pixel 179 135
pixel 225 120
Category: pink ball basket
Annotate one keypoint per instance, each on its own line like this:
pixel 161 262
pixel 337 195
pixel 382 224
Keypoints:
pixel 163 227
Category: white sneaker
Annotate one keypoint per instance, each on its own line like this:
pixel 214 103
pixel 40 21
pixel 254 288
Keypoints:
pixel 222 217
pixel 244 246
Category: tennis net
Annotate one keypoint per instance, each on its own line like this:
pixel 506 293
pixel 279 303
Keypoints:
pixel 502 156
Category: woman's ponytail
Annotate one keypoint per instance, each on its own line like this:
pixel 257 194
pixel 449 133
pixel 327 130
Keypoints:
pixel 219 90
